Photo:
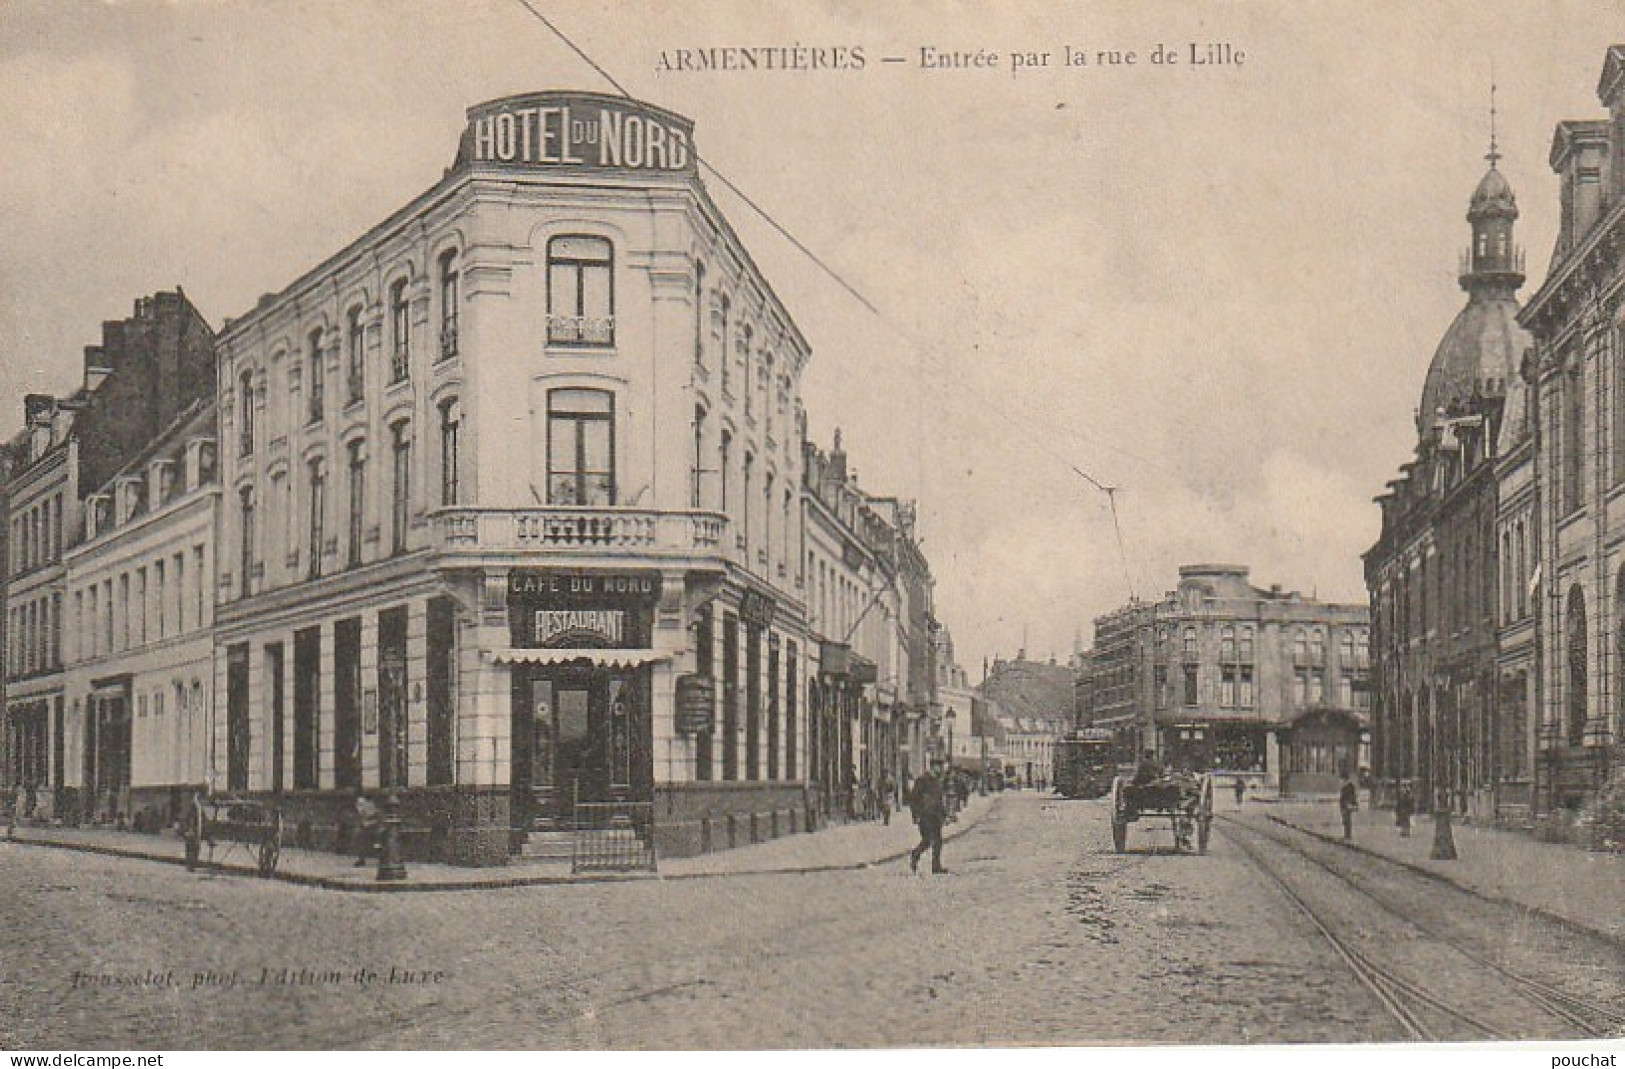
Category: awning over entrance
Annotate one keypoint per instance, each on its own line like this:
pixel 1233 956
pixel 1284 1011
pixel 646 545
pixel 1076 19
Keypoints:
pixel 601 658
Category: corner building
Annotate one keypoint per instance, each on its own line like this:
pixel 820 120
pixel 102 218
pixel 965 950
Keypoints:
pixel 511 513
pixel 1219 674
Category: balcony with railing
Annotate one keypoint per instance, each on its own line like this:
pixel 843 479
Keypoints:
pixel 448 337
pixel 580 330
pixel 581 530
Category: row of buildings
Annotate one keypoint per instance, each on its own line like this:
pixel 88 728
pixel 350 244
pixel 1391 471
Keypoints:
pixel 1220 675
pixel 1004 729
pixel 507 508
pixel 1498 581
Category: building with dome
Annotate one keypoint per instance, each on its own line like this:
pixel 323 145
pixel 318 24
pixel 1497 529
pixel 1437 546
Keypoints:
pixel 1577 381
pixel 1437 720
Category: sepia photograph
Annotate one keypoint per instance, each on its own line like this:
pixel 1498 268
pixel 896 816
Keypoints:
pixel 810 525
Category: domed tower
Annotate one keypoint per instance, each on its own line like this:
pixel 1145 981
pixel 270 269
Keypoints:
pixel 1479 355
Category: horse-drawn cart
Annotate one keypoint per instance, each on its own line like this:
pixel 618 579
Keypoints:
pixel 1185 801
pixel 252 824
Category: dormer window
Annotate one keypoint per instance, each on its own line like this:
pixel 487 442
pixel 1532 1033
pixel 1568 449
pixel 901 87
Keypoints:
pixel 129 495
pixel 160 483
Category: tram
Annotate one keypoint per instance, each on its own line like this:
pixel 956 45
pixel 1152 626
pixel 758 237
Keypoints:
pixel 1085 762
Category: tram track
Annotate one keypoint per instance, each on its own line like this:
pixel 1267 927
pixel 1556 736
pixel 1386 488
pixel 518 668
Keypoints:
pixel 1391 989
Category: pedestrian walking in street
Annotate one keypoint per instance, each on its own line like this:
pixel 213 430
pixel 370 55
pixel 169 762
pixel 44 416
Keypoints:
pixel 1404 809
pixel 1240 787
pixel 1348 800
pixel 927 804
pixel 367 828
pixel 888 789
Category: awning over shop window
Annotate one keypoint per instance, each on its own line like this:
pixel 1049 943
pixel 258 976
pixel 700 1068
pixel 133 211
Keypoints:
pixel 601 658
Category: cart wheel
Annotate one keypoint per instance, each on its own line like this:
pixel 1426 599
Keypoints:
pixel 1119 834
pixel 1203 827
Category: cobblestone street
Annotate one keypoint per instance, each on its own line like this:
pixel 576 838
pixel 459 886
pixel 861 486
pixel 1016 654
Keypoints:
pixel 1040 934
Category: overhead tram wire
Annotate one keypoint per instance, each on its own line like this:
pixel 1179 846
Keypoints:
pixel 853 291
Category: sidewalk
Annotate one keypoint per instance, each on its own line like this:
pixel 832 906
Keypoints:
pixel 1576 887
pixel 848 846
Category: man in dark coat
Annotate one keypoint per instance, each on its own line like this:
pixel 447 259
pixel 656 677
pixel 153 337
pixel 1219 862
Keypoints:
pixel 926 803
pixel 1348 800
pixel 1404 809
pixel 367 827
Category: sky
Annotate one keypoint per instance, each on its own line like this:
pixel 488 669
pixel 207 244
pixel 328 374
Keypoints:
pixel 1216 288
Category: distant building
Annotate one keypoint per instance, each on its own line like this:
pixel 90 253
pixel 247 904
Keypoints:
pixel 1221 675
pixel 1035 703
pixel 148 369
pixel 866 583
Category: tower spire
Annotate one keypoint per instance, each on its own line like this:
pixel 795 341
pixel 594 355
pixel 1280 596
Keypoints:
pixel 1495 153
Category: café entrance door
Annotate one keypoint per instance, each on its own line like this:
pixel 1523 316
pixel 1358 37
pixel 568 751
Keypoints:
pixel 576 732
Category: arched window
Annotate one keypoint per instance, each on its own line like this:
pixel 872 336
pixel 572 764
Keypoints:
pixel 580 447
pixel 316 374
pixel 1190 644
pixel 1520 552
pixel 355 370
pixel 318 517
pixel 400 441
pixel 1317 639
pixel 745 340
pixel 448 305
pixel 1300 646
pixel 1246 644
pixel 699 312
pixel 696 494
pixel 1227 644
pixel 245 560
pixel 725 450
pixel 358 502
pixel 721 332
pixel 580 291
pixel 245 413
pixel 451 423
pixel 400 326
pixel 1507 566
pixel 767 391
pixel 1578 676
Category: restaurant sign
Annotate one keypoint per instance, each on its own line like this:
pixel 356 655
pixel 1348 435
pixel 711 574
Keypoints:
pixel 586 131
pixel 607 626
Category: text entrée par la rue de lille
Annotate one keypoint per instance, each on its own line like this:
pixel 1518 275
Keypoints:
pixel 798 58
